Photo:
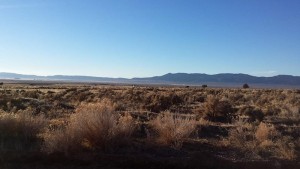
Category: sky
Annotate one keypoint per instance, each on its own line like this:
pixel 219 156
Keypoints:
pixel 142 38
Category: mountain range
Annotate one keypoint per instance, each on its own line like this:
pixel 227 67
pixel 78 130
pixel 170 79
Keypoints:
pixel 171 78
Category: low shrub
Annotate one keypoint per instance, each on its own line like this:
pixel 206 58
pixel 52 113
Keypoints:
pixel 204 86
pixel 246 86
pixel 172 129
pixel 158 103
pixel 262 141
pixel 20 131
pixel 253 114
pixel 217 110
pixel 93 126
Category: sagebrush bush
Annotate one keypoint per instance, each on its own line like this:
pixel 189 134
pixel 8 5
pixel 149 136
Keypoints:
pixel 253 113
pixel 20 130
pixel 218 110
pixel 93 126
pixel 262 141
pixel 163 102
pixel 265 132
pixel 172 129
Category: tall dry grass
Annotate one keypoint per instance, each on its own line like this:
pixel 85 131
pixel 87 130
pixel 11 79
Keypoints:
pixel 173 129
pixel 218 110
pixel 20 130
pixel 262 141
pixel 94 126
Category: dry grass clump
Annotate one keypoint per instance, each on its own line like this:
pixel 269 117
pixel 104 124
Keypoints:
pixel 265 132
pixel 20 130
pixel 203 122
pixel 172 129
pixel 218 110
pixel 262 141
pixel 93 126
pixel 253 113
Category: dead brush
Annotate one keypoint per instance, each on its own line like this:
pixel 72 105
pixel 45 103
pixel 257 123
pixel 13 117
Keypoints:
pixel 262 141
pixel 20 130
pixel 265 132
pixel 173 129
pixel 94 126
pixel 217 110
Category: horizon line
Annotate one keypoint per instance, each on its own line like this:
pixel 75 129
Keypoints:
pixel 144 76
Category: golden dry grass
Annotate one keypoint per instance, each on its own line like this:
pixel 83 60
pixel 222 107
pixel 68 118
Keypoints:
pixel 93 126
pixel 262 141
pixel 20 130
pixel 81 121
pixel 173 129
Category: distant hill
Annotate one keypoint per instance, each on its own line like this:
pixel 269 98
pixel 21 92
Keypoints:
pixel 171 78
pixel 196 78
pixel 4 75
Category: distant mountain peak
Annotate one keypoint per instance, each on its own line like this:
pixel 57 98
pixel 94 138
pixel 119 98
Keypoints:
pixel 170 78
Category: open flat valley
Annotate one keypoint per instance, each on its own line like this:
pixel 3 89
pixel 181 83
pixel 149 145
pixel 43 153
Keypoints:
pixel 77 125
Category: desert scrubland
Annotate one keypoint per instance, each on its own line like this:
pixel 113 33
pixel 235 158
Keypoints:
pixel 115 126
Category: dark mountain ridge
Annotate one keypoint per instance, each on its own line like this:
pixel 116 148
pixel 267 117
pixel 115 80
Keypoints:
pixel 197 78
pixel 170 78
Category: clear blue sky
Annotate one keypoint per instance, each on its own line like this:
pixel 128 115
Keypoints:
pixel 139 38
